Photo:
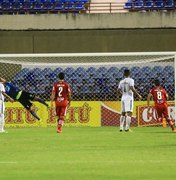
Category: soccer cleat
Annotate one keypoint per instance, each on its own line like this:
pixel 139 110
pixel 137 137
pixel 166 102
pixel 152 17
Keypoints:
pixel 174 131
pixel 128 130
pixel 121 130
pixel 3 131
pixel 59 130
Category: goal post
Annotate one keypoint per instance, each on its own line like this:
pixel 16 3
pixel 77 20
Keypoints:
pixel 94 78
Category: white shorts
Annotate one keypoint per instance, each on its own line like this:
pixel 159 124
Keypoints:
pixel 127 105
pixel 2 107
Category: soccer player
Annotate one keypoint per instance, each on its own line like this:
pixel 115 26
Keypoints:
pixel 61 94
pixel 2 106
pixel 126 88
pixel 23 97
pixel 160 97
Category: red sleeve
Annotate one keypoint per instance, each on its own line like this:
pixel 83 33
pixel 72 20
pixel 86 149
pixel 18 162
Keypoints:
pixel 165 94
pixel 151 91
pixel 69 90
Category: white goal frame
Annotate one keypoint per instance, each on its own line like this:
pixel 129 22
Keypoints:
pixel 4 59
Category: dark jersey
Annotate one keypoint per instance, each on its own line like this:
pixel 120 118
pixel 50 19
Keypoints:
pixel 11 90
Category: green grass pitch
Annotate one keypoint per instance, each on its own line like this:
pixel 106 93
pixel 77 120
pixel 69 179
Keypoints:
pixel 86 153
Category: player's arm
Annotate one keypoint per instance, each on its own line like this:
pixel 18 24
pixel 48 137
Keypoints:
pixel 53 95
pixel 149 97
pixel 7 96
pixel 2 80
pixel 135 92
pixel 69 99
pixel 69 96
pixel 119 91
pixel 166 95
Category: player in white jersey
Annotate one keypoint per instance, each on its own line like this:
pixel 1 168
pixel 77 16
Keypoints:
pixel 126 88
pixel 2 106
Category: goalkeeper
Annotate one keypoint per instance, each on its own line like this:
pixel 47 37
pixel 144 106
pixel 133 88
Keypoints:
pixel 23 97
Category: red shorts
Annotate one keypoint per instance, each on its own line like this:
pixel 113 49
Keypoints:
pixel 162 111
pixel 61 108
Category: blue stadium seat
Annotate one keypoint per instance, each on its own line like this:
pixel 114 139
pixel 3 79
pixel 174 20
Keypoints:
pixel 46 71
pixel 102 70
pixel 47 6
pixel 148 4
pixel 159 4
pixel 85 89
pixel 122 69
pixel 68 6
pixel 79 6
pixel 128 4
pixel 69 70
pixel 76 80
pixel 90 81
pixel 85 75
pixel 138 4
pixel 58 6
pixel 146 70
pixel 169 69
pixel 157 69
pixel 135 70
pixel 7 8
pixel 58 70
pixel 108 75
pixel 91 70
pixel 26 7
pixel 169 4
pixel 80 71
pixel 37 71
pixel 16 7
pixel 37 7
pixel 32 89
pixel 113 70
pixel 97 76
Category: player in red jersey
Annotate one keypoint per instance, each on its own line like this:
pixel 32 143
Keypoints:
pixel 160 97
pixel 61 94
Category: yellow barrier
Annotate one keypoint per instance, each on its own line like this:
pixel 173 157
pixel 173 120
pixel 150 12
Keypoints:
pixel 79 114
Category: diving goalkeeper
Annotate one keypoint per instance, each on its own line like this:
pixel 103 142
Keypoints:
pixel 23 97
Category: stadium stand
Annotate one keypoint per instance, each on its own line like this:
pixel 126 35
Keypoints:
pixel 94 84
pixel 149 5
pixel 41 6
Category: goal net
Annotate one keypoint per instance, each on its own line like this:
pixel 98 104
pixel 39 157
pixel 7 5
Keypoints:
pixel 94 78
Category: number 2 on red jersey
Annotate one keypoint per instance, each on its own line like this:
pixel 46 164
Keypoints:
pixel 60 90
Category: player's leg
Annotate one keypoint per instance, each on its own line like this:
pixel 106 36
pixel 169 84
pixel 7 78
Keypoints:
pixel 39 100
pixel 34 114
pixel 122 120
pixel 2 122
pixel 128 120
pixel 60 118
pixel 28 105
pixel 129 110
pixel 63 111
pixel 169 121
pixel 122 117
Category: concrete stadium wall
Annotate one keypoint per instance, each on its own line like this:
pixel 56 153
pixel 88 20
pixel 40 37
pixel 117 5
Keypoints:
pixel 67 33
pixel 72 41
pixel 88 21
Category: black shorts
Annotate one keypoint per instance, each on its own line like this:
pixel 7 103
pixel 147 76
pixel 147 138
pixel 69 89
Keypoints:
pixel 25 99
